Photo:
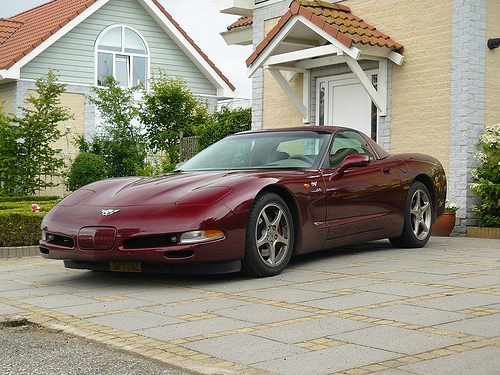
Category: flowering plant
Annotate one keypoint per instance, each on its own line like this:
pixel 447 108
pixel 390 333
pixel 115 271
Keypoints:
pixel 450 207
pixel 35 208
pixel 486 178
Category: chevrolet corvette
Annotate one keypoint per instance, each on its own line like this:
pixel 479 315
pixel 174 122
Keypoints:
pixel 249 203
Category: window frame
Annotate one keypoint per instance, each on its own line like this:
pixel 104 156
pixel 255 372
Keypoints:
pixel 130 56
pixel 347 136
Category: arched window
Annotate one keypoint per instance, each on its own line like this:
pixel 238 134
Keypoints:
pixel 122 53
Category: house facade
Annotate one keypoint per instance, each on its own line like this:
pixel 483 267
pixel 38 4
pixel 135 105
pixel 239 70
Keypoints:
pixel 84 40
pixel 416 76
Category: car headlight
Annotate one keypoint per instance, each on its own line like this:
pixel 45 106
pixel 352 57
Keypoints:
pixel 197 236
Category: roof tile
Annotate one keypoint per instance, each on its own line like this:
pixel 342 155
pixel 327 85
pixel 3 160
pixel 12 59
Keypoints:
pixel 8 28
pixel 242 21
pixel 335 19
pixel 318 22
pixel 306 13
pixel 284 19
pixel 35 24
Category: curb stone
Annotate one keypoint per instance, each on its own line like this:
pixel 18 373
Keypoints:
pixel 19 252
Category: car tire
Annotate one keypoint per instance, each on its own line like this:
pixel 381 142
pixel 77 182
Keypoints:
pixel 269 238
pixel 417 226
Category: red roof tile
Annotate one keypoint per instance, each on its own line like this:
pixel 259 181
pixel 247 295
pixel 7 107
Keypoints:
pixel 335 19
pixel 8 28
pixel 35 25
pixel 22 33
pixel 242 21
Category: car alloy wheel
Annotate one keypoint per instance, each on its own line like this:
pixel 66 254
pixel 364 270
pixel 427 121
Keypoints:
pixel 421 214
pixel 417 226
pixel 269 243
pixel 272 235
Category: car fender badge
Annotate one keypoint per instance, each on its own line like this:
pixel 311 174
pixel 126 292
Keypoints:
pixel 313 184
pixel 109 212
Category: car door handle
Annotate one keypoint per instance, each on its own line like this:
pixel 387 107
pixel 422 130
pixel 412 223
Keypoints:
pixel 387 170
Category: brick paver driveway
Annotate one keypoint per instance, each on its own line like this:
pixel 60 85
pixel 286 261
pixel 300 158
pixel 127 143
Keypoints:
pixel 368 309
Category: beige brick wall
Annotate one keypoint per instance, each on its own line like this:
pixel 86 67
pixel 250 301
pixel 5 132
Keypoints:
pixel 7 101
pixel 76 105
pixel 421 85
pixel 279 111
pixel 492 84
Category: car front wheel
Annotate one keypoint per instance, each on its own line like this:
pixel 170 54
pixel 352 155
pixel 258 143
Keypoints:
pixel 418 218
pixel 269 238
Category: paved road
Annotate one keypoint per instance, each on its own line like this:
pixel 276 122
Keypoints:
pixel 368 309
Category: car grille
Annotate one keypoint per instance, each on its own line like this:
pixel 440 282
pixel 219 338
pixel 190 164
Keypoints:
pixel 147 242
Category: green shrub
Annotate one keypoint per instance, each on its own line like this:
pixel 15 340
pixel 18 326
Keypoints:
pixel 20 229
pixel 43 198
pixel 486 179
pixel 19 226
pixel 86 168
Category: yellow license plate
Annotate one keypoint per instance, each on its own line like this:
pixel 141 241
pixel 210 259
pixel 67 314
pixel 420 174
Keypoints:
pixel 125 266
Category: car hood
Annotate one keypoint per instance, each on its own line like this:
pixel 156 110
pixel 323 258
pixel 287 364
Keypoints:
pixel 174 188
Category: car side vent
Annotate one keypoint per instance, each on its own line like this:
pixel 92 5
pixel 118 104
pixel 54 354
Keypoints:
pixel 64 241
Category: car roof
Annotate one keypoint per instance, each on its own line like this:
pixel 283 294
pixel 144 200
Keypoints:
pixel 320 129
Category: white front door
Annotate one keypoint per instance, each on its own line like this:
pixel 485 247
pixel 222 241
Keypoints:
pixel 346 103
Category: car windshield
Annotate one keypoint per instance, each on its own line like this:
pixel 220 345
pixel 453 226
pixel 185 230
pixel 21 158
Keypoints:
pixel 268 150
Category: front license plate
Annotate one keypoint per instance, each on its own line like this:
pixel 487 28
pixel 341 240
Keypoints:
pixel 125 266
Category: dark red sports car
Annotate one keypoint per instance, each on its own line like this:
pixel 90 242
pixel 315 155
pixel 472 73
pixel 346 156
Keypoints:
pixel 250 202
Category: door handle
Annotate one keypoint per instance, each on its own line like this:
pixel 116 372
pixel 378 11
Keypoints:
pixel 387 170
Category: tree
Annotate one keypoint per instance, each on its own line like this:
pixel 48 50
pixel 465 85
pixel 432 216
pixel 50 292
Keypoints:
pixel 119 141
pixel 169 108
pixel 222 124
pixel 86 168
pixel 36 131
pixel 9 174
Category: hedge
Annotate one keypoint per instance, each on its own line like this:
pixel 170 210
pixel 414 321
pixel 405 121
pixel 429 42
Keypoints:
pixel 18 225
pixel 29 199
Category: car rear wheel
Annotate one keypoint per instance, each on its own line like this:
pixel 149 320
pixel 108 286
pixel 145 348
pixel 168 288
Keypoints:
pixel 269 238
pixel 418 218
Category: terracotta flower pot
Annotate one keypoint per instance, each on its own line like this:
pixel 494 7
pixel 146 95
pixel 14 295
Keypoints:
pixel 444 225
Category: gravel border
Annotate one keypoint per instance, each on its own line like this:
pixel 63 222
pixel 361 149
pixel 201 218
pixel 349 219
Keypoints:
pixel 27 348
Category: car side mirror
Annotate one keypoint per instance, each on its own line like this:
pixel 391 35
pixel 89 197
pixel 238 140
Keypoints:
pixel 351 161
pixel 354 161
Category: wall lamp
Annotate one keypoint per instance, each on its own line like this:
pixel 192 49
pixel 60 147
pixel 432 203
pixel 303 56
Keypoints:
pixel 493 43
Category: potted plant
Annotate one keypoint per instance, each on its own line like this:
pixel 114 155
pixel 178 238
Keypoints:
pixel 446 222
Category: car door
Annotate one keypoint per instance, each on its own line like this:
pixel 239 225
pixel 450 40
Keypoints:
pixel 364 198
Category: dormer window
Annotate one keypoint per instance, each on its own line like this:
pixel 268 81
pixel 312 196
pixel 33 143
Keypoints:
pixel 122 53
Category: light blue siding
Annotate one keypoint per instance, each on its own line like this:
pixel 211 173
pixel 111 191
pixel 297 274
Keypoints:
pixel 73 54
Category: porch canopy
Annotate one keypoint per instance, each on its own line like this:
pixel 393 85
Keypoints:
pixel 314 34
